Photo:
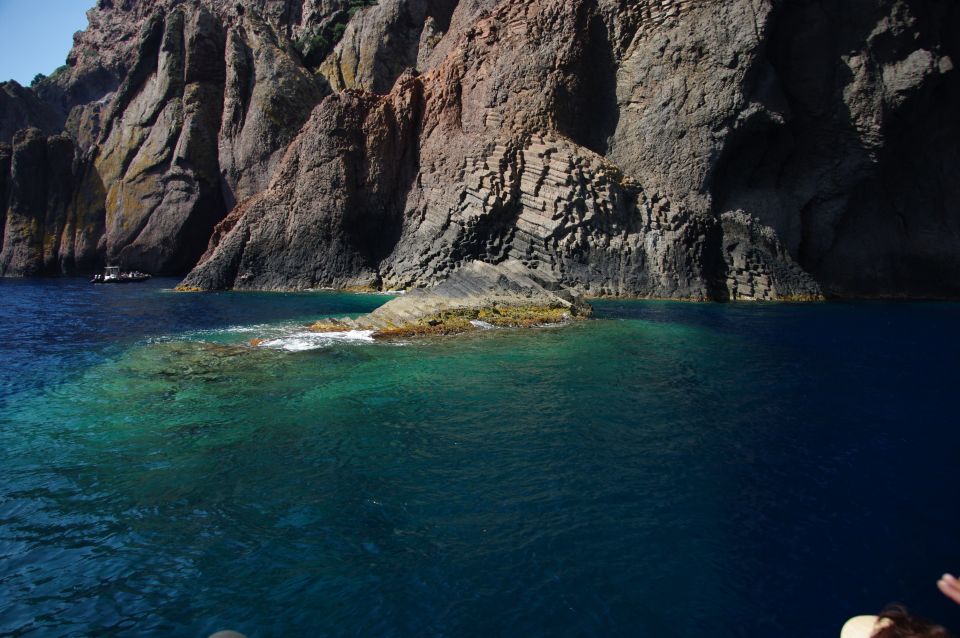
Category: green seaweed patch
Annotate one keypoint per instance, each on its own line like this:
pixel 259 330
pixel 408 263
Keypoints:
pixel 441 325
pixel 453 322
pixel 524 316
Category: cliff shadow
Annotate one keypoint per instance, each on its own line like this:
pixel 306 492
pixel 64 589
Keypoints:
pixel 586 107
pixel 851 180
pixel 490 238
pixel 384 179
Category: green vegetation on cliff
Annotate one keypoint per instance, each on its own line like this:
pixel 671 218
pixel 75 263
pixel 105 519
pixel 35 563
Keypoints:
pixel 315 46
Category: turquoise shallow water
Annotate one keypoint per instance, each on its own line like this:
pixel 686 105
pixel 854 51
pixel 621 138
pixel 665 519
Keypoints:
pixel 665 470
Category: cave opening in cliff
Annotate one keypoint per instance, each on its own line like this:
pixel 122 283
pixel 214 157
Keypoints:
pixel 586 103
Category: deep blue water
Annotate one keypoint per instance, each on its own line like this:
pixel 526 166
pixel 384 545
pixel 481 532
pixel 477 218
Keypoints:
pixel 666 470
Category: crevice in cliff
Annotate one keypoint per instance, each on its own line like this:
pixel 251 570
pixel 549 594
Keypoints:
pixel 586 108
pixel 377 231
pixel 246 78
pixel 795 123
pixel 5 157
pixel 844 141
pixel 490 237
pixel 753 160
pixel 145 65
pixel 716 269
pixel 442 12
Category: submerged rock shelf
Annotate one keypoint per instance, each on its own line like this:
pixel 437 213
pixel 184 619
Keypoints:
pixel 479 296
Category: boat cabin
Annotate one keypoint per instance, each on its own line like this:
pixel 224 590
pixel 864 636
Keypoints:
pixel 113 275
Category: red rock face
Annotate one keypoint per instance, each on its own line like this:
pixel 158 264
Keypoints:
pixel 670 148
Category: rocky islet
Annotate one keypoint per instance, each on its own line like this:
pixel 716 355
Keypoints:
pixel 478 296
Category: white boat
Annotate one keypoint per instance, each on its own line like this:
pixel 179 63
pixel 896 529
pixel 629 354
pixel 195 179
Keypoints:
pixel 113 275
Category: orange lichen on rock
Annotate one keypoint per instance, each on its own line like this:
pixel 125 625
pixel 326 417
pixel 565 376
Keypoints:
pixel 330 325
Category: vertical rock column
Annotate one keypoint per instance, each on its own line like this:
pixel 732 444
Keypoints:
pixel 268 96
pixel 40 188
pixel 159 159
pixel 5 157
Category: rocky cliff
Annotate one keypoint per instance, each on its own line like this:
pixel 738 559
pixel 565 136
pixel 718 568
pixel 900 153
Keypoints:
pixel 704 149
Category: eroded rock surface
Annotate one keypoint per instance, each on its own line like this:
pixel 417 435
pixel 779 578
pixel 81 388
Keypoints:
pixel 21 109
pixel 661 148
pixel 46 230
pixel 477 296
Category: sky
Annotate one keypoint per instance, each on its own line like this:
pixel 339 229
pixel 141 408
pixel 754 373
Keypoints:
pixel 36 35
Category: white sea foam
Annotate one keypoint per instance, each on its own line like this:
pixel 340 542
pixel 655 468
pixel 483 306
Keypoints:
pixel 303 341
pixel 256 328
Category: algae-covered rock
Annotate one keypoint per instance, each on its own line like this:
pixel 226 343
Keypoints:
pixel 479 295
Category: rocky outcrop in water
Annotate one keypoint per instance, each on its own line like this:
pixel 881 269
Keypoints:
pixel 662 148
pixel 478 296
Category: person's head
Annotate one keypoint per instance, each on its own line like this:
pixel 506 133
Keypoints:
pixel 893 622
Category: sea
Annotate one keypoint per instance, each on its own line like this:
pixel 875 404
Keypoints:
pixel 664 469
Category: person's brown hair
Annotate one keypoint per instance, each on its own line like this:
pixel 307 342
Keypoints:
pixel 901 624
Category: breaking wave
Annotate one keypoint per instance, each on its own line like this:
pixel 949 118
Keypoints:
pixel 303 341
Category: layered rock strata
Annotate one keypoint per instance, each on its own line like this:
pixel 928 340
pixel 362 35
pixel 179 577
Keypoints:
pixel 659 148
pixel 498 174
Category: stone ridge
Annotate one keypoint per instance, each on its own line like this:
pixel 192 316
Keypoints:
pixel 696 149
pixel 506 294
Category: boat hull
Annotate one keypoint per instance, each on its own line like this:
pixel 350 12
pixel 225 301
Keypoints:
pixel 129 280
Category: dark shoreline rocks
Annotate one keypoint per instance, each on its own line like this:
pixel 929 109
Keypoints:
pixel 678 149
